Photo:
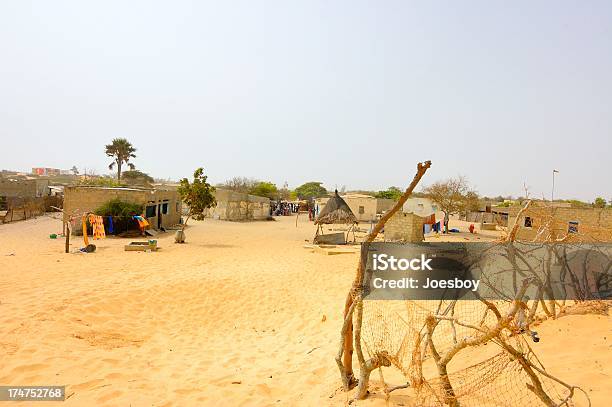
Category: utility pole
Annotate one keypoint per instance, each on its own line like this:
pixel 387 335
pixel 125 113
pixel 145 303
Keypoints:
pixel 552 194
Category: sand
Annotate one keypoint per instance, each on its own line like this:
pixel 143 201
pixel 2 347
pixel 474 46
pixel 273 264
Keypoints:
pixel 242 314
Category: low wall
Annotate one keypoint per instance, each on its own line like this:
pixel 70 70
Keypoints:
pixel 23 208
pixel 404 227
pixel 237 206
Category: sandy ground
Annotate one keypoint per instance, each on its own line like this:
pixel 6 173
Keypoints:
pixel 240 315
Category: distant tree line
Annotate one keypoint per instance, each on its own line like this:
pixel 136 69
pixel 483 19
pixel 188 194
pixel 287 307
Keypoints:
pixel 452 195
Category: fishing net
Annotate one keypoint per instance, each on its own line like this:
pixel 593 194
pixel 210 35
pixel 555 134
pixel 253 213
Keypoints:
pixel 494 376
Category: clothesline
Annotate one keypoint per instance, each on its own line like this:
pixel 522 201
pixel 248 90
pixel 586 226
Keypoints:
pixel 118 216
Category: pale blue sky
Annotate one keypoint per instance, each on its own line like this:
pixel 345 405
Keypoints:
pixel 346 92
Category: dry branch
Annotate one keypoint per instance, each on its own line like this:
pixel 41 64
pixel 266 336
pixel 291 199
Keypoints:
pixel 348 335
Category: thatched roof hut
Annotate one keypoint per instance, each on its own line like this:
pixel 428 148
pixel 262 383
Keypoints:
pixel 336 211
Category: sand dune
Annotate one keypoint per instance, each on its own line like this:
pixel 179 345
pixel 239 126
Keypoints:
pixel 240 315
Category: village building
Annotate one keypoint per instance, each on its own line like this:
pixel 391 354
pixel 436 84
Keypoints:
pixel 45 171
pixel 238 206
pixel 23 187
pixel 365 207
pixel 583 224
pixel 423 207
pixel 500 213
pixel 162 207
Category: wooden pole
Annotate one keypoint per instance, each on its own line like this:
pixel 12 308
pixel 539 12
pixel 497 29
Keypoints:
pixel 347 352
pixel 67 233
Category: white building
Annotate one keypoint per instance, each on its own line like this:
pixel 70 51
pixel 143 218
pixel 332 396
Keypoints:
pixel 422 207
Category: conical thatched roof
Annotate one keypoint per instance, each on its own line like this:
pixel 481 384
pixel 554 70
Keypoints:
pixel 336 211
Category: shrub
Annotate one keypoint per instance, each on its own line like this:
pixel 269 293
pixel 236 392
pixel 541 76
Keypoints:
pixel 117 207
pixel 122 213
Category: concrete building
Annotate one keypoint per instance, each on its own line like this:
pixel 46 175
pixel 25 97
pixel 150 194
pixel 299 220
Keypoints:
pixel 45 171
pixel 162 208
pixel 586 224
pixel 365 207
pixel 22 187
pixel 422 207
pixel 404 227
pixel 238 206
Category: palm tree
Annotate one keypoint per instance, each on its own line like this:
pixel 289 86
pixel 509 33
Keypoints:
pixel 121 150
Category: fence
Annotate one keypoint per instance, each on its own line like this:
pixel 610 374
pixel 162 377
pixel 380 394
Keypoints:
pixel 15 208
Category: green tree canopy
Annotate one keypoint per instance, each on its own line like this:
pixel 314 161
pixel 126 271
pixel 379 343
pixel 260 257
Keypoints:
pixel 310 190
pixel 198 195
pixel 599 202
pixel 135 177
pixel 265 189
pixel 121 150
pixel 391 193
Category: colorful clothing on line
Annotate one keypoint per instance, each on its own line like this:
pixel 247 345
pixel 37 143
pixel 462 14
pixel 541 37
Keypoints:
pixel 142 222
pixel 97 225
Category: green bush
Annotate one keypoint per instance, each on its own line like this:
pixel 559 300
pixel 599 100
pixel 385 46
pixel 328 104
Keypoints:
pixel 101 182
pixel 117 207
pixel 122 213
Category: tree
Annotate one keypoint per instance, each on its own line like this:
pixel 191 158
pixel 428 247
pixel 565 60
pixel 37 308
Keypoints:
pixel 310 191
pixel 452 196
pixel 239 184
pixel 198 195
pixel 285 193
pixel 121 150
pixel 599 202
pixel 391 193
pixel 265 189
pixel 137 177
pixel 75 170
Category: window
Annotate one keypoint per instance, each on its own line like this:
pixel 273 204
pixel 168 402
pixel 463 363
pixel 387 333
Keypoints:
pixel 572 227
pixel 164 208
pixel 527 221
pixel 151 213
pixel 361 210
pixel 177 206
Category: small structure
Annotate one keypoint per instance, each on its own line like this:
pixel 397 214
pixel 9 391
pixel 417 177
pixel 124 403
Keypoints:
pixel 23 187
pixel 336 211
pixel 162 208
pixel 45 171
pixel 364 207
pixel 238 206
pixel 404 227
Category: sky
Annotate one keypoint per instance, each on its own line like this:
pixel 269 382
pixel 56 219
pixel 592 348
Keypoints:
pixel 349 93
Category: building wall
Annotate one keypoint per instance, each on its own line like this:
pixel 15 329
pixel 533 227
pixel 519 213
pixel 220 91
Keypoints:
pixel 79 200
pixel 487 217
pixel 21 188
pixel 158 198
pixel 383 205
pixel 420 206
pixel 363 208
pixel 237 206
pixel 405 227
pixel 594 224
